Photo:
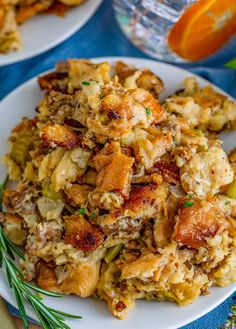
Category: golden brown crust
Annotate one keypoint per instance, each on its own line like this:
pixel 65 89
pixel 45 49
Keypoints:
pixel 82 279
pixel 58 135
pixel 8 198
pixel 114 169
pixel 59 8
pixel 168 170
pixel 25 125
pixel 3 11
pixel 143 265
pixel 26 12
pixel 77 194
pixel 144 203
pixel 81 234
pixel 145 79
pixel 149 150
pixel 121 110
pixel 46 277
pixel 197 221
pixel 151 82
pixel 53 81
pixel 13 228
pixel 140 197
pixel 208 97
pixel 114 119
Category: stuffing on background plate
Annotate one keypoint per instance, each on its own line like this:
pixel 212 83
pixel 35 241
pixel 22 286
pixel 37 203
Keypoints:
pixel 16 12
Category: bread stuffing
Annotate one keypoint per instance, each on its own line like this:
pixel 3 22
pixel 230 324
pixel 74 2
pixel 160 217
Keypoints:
pixel 118 195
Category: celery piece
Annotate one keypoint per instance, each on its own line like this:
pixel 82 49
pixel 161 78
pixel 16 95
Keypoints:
pixel 198 132
pixel 169 295
pixel 231 191
pixel 20 148
pixel 112 253
pixel 70 209
pixel 47 191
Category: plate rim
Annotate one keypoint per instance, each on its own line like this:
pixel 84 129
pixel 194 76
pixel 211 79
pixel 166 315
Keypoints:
pixel 57 41
pixel 146 62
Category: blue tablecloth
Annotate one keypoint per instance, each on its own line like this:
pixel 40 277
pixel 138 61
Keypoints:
pixel 102 37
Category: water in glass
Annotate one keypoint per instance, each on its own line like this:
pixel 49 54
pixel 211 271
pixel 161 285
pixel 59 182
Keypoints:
pixel 147 23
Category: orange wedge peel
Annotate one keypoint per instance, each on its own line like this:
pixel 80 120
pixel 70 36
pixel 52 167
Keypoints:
pixel 203 29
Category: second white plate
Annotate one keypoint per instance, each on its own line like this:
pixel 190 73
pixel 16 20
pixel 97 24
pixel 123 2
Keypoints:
pixel 45 31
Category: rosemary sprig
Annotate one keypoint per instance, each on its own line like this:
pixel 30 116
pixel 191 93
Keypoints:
pixel 26 292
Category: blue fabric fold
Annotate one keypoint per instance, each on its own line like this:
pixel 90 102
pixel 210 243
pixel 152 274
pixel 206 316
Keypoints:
pixel 101 36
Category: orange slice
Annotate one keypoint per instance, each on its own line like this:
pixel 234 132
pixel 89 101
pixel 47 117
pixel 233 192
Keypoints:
pixel 203 29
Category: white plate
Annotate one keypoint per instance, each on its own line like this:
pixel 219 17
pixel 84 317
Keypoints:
pixel 158 315
pixel 46 31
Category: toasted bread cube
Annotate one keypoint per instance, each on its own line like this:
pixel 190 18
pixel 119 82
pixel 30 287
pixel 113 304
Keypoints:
pixel 77 194
pixel 13 228
pixel 197 221
pixel 114 169
pixel 59 135
pixel 82 278
pixel 81 234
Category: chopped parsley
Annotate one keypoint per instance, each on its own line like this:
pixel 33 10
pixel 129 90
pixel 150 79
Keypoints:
pixel 190 195
pixel 148 111
pixel 85 83
pixel 88 83
pixel 123 258
pixel 92 215
pixel 187 204
pixel 82 211
pixel 227 203
pixel 101 96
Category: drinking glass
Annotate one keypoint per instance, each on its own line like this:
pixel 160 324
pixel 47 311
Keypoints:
pixel 147 23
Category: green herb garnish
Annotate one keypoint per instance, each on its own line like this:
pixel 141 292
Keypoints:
pixel 227 203
pixel 148 111
pixel 82 211
pixel 190 195
pixel 231 64
pixel 26 292
pixel 92 215
pixel 101 96
pixel 85 83
pixel 187 204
